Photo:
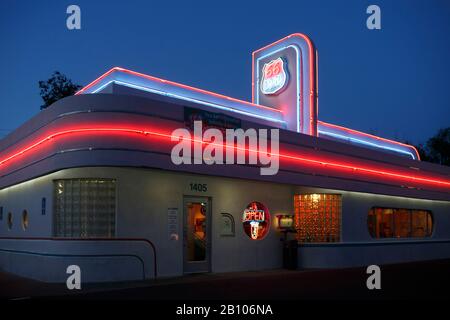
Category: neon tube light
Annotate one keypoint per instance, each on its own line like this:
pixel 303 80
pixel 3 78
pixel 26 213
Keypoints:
pixel 414 154
pixel 279 122
pixel 298 82
pixel 312 88
pixel 326 163
pixel 175 84
pixel 341 137
pixel 176 96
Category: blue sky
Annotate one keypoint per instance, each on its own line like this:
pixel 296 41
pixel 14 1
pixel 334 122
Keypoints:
pixel 393 82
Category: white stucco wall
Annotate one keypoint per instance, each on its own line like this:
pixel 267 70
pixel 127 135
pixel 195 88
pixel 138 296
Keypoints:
pixel 143 199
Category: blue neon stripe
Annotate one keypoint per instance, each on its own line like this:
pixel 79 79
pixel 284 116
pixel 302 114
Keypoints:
pixel 366 143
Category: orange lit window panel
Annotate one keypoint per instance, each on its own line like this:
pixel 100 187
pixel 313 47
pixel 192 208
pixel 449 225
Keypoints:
pixel 399 223
pixel 318 217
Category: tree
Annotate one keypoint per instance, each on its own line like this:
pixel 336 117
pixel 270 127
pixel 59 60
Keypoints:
pixel 56 88
pixel 423 152
pixel 439 147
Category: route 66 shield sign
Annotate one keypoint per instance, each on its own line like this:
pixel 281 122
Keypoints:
pixel 274 77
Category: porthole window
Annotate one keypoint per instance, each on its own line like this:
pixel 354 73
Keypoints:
pixel 10 220
pixel 25 220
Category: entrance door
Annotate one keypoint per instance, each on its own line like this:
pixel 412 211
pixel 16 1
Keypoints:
pixel 197 234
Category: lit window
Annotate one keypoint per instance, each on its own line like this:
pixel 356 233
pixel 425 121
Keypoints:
pixel 399 223
pixel 24 220
pixel 422 224
pixel 85 208
pixel 318 217
pixel 402 223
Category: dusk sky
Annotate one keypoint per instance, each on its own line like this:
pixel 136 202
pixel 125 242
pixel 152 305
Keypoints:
pixel 392 82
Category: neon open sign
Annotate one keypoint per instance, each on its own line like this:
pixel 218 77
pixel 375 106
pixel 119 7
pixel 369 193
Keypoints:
pixel 256 220
pixel 253 215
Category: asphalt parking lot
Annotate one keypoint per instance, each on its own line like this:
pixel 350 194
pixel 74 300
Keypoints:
pixel 420 280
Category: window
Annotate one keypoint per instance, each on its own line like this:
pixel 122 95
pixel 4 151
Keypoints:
pixel 399 223
pixel 402 223
pixel 10 220
pixel 25 220
pixel 85 208
pixel 422 224
pixel 381 222
pixel 1 213
pixel 318 217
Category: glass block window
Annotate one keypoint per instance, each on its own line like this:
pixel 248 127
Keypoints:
pixel 85 208
pixel 318 217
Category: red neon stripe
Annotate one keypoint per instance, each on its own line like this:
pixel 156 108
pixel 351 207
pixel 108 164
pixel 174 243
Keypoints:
pixel 253 77
pixel 176 84
pixel 312 88
pixel 352 131
pixel 284 156
pixel 93 83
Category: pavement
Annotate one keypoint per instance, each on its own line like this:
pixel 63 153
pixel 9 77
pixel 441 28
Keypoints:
pixel 418 280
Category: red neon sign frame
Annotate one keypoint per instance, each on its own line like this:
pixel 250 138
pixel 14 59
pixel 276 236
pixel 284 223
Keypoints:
pixel 312 83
